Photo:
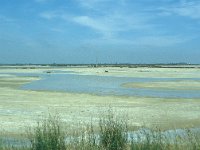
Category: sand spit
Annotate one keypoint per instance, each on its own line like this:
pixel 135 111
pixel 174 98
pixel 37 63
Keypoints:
pixel 167 85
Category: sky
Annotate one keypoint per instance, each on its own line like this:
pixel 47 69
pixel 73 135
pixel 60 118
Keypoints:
pixel 103 31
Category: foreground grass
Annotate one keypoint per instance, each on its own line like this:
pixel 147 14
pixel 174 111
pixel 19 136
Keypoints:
pixel 112 134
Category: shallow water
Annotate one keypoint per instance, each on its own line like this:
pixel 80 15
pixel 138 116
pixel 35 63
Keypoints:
pixel 138 136
pixel 104 85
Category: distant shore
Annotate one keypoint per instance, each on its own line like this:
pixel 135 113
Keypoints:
pixel 167 65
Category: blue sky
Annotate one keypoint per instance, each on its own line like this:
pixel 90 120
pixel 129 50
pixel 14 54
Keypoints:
pixel 111 31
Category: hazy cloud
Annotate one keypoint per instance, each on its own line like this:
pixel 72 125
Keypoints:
pixel 6 19
pixel 91 3
pixel 42 1
pixel 184 8
pixel 161 40
pixel 109 26
pixel 49 15
pixel 153 41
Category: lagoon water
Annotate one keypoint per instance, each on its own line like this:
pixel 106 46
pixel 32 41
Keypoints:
pixel 104 85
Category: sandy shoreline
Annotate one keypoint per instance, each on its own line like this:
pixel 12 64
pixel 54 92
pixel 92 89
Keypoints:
pixel 167 85
pixel 21 108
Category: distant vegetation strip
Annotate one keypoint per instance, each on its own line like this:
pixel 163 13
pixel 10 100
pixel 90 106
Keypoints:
pixel 129 65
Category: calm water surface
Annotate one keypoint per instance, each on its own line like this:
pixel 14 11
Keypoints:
pixel 104 85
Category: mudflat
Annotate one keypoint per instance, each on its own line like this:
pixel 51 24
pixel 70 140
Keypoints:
pixel 22 108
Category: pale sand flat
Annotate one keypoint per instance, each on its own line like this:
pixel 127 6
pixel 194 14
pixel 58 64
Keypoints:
pixel 20 108
pixel 167 85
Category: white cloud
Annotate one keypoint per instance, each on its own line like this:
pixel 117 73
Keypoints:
pixel 107 23
pixel 90 22
pixel 98 25
pixel 111 25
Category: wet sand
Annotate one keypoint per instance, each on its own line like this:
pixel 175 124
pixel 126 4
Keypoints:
pixel 167 85
pixel 22 108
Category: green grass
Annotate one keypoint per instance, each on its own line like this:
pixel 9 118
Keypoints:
pixel 48 135
pixel 111 134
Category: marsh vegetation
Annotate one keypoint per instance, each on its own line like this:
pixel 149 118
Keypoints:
pixel 112 134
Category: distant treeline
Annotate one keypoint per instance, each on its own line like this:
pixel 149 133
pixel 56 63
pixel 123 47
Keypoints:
pixel 158 65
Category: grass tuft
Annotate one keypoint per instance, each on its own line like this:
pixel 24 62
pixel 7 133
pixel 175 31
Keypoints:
pixel 48 135
pixel 113 133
